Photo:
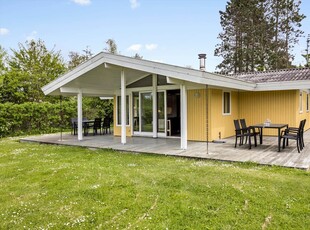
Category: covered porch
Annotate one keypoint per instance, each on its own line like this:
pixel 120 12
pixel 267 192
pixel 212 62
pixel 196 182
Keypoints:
pixel 265 154
pixel 151 98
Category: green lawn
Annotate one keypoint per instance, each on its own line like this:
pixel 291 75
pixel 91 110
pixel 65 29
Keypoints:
pixel 57 187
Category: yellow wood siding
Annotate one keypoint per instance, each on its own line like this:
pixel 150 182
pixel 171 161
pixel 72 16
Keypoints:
pixel 220 124
pixel 278 106
pixel 196 115
pixel 118 129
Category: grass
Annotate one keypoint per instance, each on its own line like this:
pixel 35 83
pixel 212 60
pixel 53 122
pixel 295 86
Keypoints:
pixel 58 187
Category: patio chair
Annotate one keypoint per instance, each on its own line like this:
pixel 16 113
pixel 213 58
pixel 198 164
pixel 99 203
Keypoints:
pixel 294 133
pixel 97 126
pixel 240 133
pixel 106 126
pixel 74 126
pixel 251 130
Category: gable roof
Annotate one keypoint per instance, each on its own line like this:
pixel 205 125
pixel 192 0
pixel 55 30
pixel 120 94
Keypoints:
pixel 100 76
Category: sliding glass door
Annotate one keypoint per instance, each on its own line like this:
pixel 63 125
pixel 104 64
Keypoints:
pixel 143 113
pixel 146 102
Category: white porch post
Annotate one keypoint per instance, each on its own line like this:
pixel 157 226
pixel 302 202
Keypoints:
pixel 183 117
pixel 154 93
pixel 80 116
pixel 123 106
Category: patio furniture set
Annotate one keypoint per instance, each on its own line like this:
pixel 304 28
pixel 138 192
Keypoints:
pixel 98 126
pixel 285 133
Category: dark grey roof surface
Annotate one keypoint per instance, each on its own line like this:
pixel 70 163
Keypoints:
pixel 275 75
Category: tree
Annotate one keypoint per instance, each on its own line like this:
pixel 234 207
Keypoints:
pixel 138 56
pixel 112 47
pixel 258 34
pixel 77 58
pixel 3 68
pixel 3 56
pixel 29 68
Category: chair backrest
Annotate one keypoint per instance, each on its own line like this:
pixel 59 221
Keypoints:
pixel 304 123
pixel 237 127
pixel 243 123
pixel 97 122
pixel 301 127
pixel 106 122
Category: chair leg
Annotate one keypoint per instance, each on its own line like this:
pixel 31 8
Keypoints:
pixel 298 148
pixel 283 145
pixel 250 142
pixel 302 142
pixel 246 139
pixel 236 142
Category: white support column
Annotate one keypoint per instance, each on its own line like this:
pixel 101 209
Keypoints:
pixel 183 117
pixel 80 116
pixel 123 107
pixel 154 93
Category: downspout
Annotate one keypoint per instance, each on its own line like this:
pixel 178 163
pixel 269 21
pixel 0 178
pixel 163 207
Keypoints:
pixel 207 116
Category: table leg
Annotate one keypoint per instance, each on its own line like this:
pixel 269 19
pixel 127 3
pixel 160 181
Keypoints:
pixel 261 136
pixel 279 140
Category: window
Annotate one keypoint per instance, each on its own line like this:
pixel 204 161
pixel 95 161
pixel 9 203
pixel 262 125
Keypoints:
pixel 307 102
pixel 300 102
pixel 119 114
pixel 226 103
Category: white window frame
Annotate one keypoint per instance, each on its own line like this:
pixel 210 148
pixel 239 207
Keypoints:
pixel 223 103
pixel 300 102
pixel 128 114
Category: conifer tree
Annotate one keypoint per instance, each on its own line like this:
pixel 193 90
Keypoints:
pixel 258 34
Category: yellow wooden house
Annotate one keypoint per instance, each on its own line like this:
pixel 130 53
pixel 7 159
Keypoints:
pixel 165 101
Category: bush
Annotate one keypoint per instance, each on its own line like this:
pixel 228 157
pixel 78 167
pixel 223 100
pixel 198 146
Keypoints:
pixel 47 117
pixel 35 118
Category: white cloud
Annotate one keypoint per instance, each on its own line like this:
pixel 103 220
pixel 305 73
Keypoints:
pixel 134 4
pixel 82 2
pixel 4 31
pixel 32 36
pixel 151 46
pixel 134 47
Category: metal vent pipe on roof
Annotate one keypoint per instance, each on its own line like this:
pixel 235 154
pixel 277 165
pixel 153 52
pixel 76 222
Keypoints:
pixel 202 60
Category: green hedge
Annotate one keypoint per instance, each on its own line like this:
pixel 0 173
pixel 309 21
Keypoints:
pixel 35 118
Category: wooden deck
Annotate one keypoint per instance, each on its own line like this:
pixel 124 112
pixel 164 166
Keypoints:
pixel 265 154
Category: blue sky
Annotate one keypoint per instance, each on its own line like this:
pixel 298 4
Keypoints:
pixel 170 31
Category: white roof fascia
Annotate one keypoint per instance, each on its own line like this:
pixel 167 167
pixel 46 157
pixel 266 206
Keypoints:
pixel 284 85
pixel 71 75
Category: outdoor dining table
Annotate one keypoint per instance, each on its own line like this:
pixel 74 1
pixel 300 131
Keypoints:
pixel 86 124
pixel 270 126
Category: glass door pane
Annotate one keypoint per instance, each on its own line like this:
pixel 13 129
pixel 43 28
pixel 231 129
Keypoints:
pixel 161 112
pixel 146 112
pixel 135 113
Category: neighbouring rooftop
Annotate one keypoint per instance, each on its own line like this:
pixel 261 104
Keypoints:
pixel 297 74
